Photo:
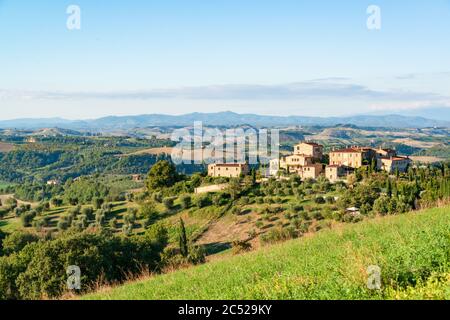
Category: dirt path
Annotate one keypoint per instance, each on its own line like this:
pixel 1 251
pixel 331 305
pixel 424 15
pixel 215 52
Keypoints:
pixel 4 197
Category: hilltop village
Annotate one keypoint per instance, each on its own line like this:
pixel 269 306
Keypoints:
pixel 308 161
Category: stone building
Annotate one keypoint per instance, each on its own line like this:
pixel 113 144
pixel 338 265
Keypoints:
pixel 228 170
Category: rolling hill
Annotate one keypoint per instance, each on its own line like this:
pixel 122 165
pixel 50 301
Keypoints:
pixel 222 119
pixel 412 251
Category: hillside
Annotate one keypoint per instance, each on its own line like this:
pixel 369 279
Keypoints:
pixel 412 251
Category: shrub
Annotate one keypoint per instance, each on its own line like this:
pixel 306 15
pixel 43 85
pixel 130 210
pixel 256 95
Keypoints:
pixel 220 199
pixel 278 200
pixel 88 212
pixel 64 223
pixel 148 210
pixel 157 197
pixel 168 203
pixel 244 201
pixel 196 255
pixel 259 224
pixel 319 200
pixel 74 212
pixel 186 201
pixel 57 202
pixel 100 218
pixel 316 215
pixel 268 200
pixel 252 234
pixel 41 223
pixel 107 208
pixel 130 217
pixel 203 201
pixel 279 234
pixel 236 210
pixel 330 199
pixel 113 223
pixel 240 246
pixel 127 229
pixel 3 213
pixel 27 218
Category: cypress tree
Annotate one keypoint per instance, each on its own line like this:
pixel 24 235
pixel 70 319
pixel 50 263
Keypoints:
pixel 388 188
pixel 183 240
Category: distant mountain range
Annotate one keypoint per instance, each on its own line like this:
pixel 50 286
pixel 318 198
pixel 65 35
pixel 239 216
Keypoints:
pixel 222 119
pixel 434 113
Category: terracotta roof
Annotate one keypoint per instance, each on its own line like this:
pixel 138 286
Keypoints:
pixel 311 143
pixel 347 150
pixel 353 150
pixel 396 158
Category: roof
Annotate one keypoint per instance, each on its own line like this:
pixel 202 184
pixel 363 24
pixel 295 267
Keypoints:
pixel 387 149
pixel 396 158
pixel 311 143
pixel 348 150
pixel 353 150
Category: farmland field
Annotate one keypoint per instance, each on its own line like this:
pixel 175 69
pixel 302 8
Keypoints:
pixel 6 147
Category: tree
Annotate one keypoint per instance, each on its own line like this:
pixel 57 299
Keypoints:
pixel 88 212
pixel 168 203
pixel 17 240
pixel 203 200
pixel 388 188
pixel 183 241
pixel 373 166
pixel 148 210
pixel 162 174
pixel 234 188
pixel 381 205
pixel 27 218
pixel 97 203
pixel 186 201
pixel 57 202
pixel 39 270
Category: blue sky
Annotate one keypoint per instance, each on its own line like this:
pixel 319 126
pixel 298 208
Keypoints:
pixel 254 56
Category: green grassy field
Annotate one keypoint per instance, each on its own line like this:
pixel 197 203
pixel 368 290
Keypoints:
pixel 412 250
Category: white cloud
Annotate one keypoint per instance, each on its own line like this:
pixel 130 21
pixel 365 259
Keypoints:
pixel 316 89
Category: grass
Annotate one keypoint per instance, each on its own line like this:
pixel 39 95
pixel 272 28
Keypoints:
pixel 412 250
pixel 10 225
